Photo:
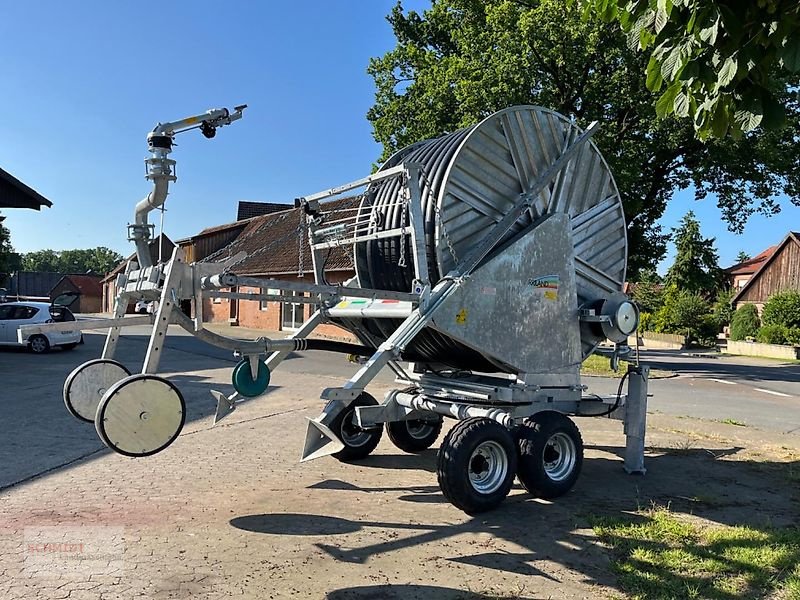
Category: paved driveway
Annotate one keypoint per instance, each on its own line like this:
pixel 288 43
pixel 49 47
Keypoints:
pixel 228 511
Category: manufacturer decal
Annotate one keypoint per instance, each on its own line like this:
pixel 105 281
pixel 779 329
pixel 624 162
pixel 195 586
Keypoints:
pixel 546 286
pixel 461 316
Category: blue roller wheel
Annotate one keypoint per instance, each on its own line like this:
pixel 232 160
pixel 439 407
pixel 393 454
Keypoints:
pixel 243 380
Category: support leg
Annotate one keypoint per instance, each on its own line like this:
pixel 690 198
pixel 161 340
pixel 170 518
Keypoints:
pixel 636 419
pixel 169 297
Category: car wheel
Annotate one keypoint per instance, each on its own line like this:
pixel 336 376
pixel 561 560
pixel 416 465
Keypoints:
pixel 38 344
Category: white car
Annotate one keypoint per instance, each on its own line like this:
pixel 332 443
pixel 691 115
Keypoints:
pixel 15 314
pixel 144 307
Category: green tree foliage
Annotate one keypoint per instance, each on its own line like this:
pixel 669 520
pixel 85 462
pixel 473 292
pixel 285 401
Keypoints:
pixel 723 308
pixel 782 309
pixel 9 260
pixel 648 292
pixel 696 269
pixel 772 334
pixel 686 313
pixel 742 256
pixel 98 260
pixel 745 322
pixel 461 60
pixel 727 64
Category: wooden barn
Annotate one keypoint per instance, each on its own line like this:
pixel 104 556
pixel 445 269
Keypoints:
pixel 779 273
pixel 89 289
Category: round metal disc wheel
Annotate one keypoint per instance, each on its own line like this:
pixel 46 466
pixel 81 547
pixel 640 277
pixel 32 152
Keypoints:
pixel 415 435
pixel 140 415
pixel 358 442
pixel 85 386
pixel 38 344
pixel 244 383
pixel 550 454
pixel 476 465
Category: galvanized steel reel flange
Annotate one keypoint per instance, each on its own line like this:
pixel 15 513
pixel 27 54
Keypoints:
pixel 501 158
pixel 86 385
pixel 140 415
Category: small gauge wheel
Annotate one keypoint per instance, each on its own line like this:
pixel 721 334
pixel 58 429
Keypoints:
pixel 244 383
pixel 140 415
pixel 86 385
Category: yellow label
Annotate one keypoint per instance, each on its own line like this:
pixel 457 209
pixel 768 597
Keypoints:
pixel 461 316
pixel 551 295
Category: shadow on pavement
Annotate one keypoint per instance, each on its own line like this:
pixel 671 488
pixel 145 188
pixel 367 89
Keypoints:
pixel 417 592
pixel 708 483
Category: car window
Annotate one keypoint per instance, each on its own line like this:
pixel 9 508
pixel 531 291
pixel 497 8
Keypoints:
pixel 5 312
pixel 23 312
pixel 20 312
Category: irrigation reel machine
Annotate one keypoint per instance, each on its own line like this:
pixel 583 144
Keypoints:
pixel 489 264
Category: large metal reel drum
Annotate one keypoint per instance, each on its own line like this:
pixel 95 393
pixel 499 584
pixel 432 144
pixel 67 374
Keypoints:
pixel 471 179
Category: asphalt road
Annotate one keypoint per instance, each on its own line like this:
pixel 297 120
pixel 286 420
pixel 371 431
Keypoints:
pixel 39 434
pixel 758 393
pixel 754 392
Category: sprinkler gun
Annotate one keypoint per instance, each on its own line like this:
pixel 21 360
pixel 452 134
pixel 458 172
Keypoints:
pixel 161 170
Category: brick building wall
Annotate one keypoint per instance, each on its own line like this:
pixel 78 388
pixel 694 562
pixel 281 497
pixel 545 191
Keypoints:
pixel 269 315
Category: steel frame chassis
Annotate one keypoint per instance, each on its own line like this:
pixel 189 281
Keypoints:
pixel 506 400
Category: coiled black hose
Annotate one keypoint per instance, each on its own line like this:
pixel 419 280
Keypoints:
pixel 377 260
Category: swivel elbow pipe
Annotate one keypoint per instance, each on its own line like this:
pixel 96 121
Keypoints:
pixel 140 231
pixel 160 172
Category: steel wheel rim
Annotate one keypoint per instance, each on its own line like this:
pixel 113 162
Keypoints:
pixel 352 435
pixel 38 344
pixel 559 456
pixel 419 428
pixel 488 467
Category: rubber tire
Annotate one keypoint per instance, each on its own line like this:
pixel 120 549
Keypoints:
pixel 46 347
pixel 454 458
pixel 407 442
pixel 350 453
pixel 69 346
pixel 532 437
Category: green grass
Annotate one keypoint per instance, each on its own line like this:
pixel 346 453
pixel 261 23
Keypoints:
pixel 601 366
pixel 658 556
pixel 734 422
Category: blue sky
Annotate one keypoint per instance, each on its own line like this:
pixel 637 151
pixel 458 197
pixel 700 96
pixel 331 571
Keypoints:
pixel 83 83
